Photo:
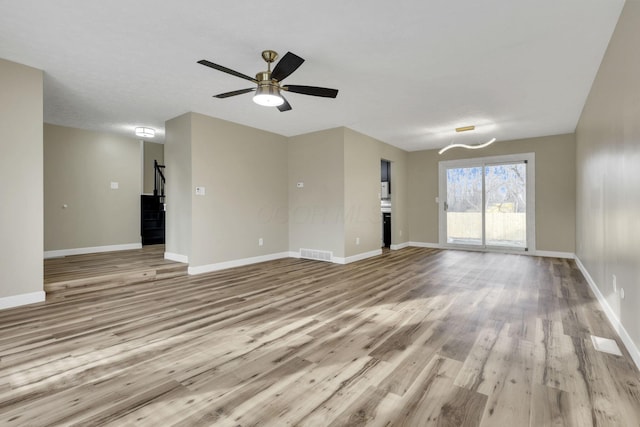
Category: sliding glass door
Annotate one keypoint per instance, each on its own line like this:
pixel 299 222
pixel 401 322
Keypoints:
pixel 487 202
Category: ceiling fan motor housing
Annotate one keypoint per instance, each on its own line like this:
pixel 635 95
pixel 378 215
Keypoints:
pixel 263 77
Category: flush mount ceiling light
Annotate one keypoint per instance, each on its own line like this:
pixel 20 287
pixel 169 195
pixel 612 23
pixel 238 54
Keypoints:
pixel 470 147
pixel 145 132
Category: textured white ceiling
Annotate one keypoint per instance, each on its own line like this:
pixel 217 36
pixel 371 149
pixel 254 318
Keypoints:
pixel 408 72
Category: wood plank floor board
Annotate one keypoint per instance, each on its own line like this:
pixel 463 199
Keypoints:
pixel 431 400
pixel 318 386
pixel 555 407
pixel 413 331
pixel 411 362
pixel 226 407
pixel 412 337
pixel 349 394
pixel 555 363
pixel 509 394
pixel 364 410
pixel 470 375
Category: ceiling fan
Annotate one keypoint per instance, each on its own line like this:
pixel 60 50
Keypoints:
pixel 268 83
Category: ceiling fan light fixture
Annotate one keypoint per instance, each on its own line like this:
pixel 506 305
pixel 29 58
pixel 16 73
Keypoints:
pixel 268 96
pixel 144 132
pixel 267 92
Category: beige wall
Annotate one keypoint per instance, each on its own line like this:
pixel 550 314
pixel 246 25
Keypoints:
pixel 362 217
pixel 21 191
pixel 340 200
pixel 79 166
pixel 608 174
pixel 362 155
pixel 152 151
pixel 316 211
pixel 555 189
pixel 177 152
pixel 244 172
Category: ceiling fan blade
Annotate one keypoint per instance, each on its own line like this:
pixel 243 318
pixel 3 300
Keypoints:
pixel 226 70
pixel 284 107
pixel 312 90
pixel 287 65
pixel 234 93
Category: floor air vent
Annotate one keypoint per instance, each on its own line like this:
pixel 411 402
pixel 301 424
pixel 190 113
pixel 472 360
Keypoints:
pixel 606 345
pixel 316 254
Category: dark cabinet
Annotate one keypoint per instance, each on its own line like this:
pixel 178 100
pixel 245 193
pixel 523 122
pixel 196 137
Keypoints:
pixel 386 229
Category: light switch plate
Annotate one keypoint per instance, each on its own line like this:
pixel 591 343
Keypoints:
pixel 200 191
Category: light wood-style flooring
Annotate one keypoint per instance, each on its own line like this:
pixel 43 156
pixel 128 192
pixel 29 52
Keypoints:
pixel 89 273
pixel 414 337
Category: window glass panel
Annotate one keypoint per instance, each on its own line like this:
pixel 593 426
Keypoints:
pixel 464 206
pixel 506 205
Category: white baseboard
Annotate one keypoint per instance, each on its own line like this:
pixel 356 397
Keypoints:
pixel 552 254
pixel 236 263
pixel 549 254
pixel 91 250
pixel 400 246
pixel 294 254
pixel 22 299
pixel 358 257
pixel 176 257
pixel 611 315
pixel 425 245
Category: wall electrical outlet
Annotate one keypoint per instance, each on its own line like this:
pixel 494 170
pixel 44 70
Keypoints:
pixel 621 293
pixel 614 283
pixel 357 240
pixel 260 242
pixel 200 191
pixel 300 184
pixel 114 185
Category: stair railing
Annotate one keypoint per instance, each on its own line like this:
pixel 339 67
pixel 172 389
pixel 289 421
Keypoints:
pixel 159 180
